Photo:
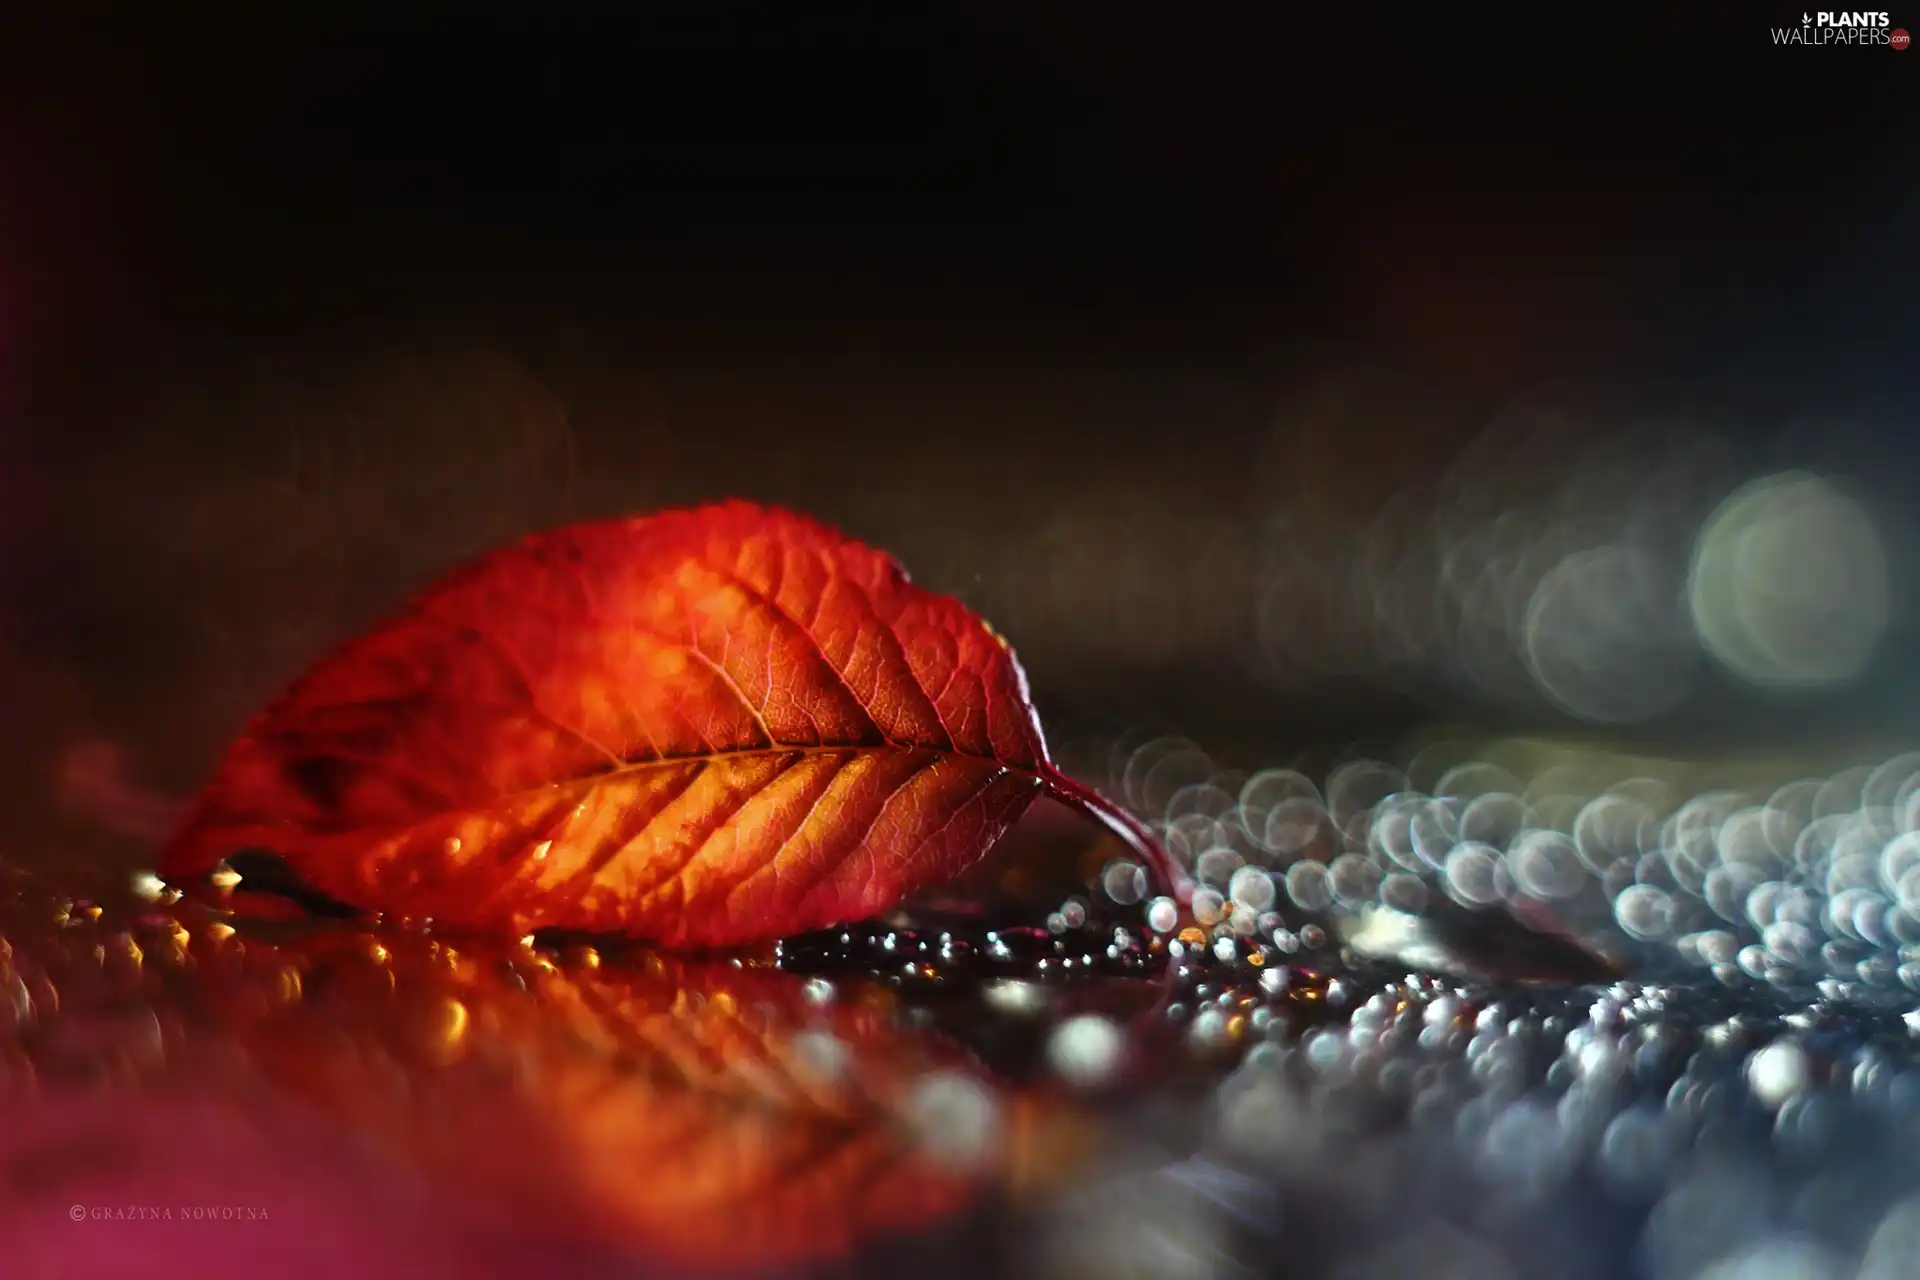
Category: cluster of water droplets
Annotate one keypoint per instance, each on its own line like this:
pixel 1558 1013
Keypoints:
pixel 1746 1103
pixel 1814 881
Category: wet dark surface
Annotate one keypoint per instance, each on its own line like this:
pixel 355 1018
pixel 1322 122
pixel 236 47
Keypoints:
pixel 1274 385
pixel 1333 1075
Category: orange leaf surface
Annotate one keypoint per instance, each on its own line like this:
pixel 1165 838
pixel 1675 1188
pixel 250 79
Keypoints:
pixel 701 727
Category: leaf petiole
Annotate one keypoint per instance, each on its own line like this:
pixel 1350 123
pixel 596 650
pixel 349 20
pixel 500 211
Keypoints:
pixel 1170 877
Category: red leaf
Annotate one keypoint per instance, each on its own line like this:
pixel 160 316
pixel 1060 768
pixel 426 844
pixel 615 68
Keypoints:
pixel 701 727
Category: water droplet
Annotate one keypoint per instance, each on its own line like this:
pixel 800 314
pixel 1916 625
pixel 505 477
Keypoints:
pixel 955 1120
pixel 1085 1051
pixel 1778 1072
pixel 1124 882
pixel 1252 889
pixel 1015 997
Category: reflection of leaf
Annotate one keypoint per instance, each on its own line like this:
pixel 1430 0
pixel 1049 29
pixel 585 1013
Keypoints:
pixel 701 727
pixel 698 1111
pixel 700 1116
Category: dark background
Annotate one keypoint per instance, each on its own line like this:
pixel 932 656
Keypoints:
pixel 1085 315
